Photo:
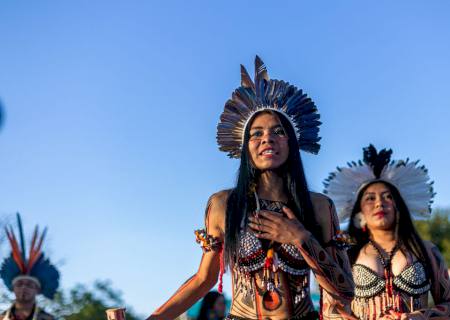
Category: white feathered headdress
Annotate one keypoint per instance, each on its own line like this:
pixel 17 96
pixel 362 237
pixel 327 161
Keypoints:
pixel 410 178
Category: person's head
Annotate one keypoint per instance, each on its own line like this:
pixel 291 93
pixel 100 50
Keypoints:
pixel 380 206
pixel 25 289
pixel 270 144
pixel 220 307
pixel 213 307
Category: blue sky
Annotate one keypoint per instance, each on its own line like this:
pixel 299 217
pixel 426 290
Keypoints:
pixel 111 111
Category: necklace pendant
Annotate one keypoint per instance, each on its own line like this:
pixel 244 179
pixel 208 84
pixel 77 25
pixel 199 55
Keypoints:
pixel 271 300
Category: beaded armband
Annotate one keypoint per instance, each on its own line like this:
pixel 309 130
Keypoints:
pixel 206 241
pixel 342 240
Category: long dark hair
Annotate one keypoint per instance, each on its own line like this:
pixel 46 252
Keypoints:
pixel 241 199
pixel 407 233
pixel 208 304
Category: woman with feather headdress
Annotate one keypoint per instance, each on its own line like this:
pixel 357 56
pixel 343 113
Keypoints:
pixel 393 268
pixel 269 230
pixel 28 276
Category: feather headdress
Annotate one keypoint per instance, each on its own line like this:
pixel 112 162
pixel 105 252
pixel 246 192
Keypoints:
pixel 266 94
pixel 34 266
pixel 410 178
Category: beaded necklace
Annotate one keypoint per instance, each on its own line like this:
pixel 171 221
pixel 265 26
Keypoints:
pixel 392 301
pixel 271 297
pixel 271 281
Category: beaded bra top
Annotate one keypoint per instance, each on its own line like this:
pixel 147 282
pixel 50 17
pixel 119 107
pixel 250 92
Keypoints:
pixel 412 280
pixel 252 251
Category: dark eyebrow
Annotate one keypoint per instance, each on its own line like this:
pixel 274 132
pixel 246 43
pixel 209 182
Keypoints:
pixel 275 126
pixel 372 193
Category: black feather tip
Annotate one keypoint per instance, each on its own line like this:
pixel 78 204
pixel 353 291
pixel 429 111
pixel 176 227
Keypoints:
pixel 376 160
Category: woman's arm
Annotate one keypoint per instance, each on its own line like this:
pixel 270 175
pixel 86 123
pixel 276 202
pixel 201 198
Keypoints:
pixel 206 277
pixel 440 288
pixel 330 264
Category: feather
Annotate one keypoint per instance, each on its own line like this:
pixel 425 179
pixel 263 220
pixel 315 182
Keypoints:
pixel 22 239
pixel 9 270
pixel 33 249
pixel 37 252
pixel 377 160
pixel 33 241
pixel 246 81
pixel 48 276
pixel 261 78
pixel 15 250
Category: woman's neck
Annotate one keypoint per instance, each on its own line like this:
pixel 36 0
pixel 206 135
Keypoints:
pixel 386 239
pixel 271 187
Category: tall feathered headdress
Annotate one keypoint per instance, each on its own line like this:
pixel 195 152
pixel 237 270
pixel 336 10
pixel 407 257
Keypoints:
pixel 34 266
pixel 266 94
pixel 410 178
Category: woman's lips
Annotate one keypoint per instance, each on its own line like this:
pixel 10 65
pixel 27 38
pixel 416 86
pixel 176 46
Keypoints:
pixel 379 214
pixel 268 156
pixel 268 153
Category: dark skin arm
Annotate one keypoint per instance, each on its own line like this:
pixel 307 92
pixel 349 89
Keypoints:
pixel 206 277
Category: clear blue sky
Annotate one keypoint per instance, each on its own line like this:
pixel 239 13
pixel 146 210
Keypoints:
pixel 111 111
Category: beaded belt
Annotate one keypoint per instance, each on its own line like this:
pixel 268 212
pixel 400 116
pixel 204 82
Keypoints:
pixel 313 315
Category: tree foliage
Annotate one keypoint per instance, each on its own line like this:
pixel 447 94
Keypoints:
pixel 84 303
pixel 437 230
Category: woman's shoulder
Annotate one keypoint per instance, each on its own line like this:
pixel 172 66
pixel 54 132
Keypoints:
pixel 216 210
pixel 324 210
pixel 320 199
pixel 219 199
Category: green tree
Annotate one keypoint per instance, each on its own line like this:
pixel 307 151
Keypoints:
pixel 84 303
pixel 437 230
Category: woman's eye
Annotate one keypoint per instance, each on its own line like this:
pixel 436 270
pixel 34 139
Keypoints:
pixel 388 196
pixel 279 132
pixel 256 134
pixel 369 198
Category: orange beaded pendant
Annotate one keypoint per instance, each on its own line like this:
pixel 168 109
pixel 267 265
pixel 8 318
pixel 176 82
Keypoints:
pixel 271 300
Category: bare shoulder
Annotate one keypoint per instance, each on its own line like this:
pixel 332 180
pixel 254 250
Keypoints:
pixel 319 199
pixel 323 208
pixel 215 214
pixel 219 199
pixel 325 215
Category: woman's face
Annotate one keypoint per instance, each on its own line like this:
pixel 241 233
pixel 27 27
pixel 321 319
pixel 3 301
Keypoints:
pixel 268 143
pixel 378 207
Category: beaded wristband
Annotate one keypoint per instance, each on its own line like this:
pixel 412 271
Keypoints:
pixel 342 240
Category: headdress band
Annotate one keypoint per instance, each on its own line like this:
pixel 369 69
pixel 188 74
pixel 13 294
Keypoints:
pixel 25 277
